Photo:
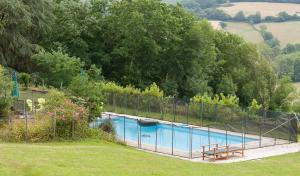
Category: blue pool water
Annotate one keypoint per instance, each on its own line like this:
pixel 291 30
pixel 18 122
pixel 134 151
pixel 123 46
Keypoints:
pixel 161 134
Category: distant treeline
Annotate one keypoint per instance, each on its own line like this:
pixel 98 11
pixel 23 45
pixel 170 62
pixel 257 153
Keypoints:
pixel 208 9
pixel 280 1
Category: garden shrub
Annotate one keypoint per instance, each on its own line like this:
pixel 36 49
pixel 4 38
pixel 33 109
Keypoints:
pixel 71 119
pixel 88 94
pixel 5 93
pixel 107 126
pixel 25 79
pixel 38 130
pixel 221 99
pixel 96 133
pixel 56 68
pixel 111 87
pixel 153 90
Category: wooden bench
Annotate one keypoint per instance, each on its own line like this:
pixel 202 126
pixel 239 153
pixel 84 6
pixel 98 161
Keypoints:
pixel 223 152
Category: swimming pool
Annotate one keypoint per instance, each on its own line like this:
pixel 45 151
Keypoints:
pixel 178 137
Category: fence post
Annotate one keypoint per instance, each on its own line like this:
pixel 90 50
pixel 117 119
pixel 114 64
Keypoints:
pixel 138 133
pixel 216 109
pixel 191 143
pixel 160 108
pixel 173 138
pixel 208 134
pixel 140 140
pixel 138 106
pixel 275 139
pixel 126 103
pixel 226 134
pixel 243 134
pixel 174 110
pixel 33 107
pixel 290 129
pixel 246 120
pixel 114 102
pixel 149 101
pixel 187 113
pixel 260 127
pixel 156 138
pixel 73 128
pixel 202 113
pixel 124 130
pixel 54 125
pixel 26 121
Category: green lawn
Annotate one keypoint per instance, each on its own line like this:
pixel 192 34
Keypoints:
pixel 101 158
pixel 29 94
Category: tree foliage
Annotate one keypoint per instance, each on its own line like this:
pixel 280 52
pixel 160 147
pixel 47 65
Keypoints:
pixel 133 43
pixel 5 92
pixel 22 25
pixel 56 68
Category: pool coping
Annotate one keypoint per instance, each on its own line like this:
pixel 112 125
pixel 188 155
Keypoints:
pixel 267 142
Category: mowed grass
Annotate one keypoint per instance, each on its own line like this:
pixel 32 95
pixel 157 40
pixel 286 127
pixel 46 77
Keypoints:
pixel 287 32
pixel 90 158
pixel 245 30
pixel 28 94
pixel 265 8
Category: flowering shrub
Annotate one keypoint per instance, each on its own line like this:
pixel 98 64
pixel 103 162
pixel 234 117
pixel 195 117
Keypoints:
pixel 71 119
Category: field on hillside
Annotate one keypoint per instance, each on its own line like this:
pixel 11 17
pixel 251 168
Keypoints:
pixel 215 24
pixel 266 9
pixel 244 30
pixel 287 32
pixel 297 85
pixel 171 1
pixel 88 158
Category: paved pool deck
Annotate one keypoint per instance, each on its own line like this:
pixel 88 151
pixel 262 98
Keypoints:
pixel 253 152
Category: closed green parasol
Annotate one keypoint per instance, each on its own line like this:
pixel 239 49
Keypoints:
pixel 15 91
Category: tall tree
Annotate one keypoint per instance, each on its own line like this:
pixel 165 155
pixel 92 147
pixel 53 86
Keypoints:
pixel 22 25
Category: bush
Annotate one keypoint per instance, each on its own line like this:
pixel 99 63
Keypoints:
pixel 25 79
pixel 37 131
pixel 57 68
pixel 89 94
pixel 227 114
pixel 153 90
pixel 95 133
pixel 221 99
pixel 107 127
pixel 5 93
pixel 71 119
pixel 254 105
pixel 111 87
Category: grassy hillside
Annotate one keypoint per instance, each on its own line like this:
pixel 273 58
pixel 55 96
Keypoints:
pixel 94 158
pixel 266 9
pixel 245 30
pixel 215 24
pixel 287 32
pixel 297 86
pixel 250 33
pixel 172 1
